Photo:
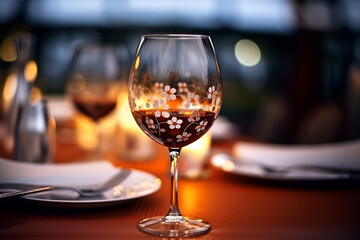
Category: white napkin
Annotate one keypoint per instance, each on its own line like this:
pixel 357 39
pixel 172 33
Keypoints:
pixel 345 155
pixel 67 174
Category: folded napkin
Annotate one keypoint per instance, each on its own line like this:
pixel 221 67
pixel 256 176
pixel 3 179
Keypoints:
pixel 345 155
pixel 67 174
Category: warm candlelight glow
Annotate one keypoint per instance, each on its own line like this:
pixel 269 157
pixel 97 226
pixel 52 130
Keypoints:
pixel 134 144
pixel 126 120
pixel 30 71
pixel 35 96
pixel 119 133
pixel 7 50
pixel 199 148
pixel 223 161
pixel 86 136
pixel 9 89
pixel 193 156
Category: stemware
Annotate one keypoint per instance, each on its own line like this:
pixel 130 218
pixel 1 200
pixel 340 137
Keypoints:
pixel 175 95
pixel 96 76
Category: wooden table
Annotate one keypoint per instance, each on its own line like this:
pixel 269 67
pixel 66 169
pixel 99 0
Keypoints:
pixel 236 207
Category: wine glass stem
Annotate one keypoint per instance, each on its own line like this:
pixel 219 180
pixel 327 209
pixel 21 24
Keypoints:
pixel 174 212
pixel 96 153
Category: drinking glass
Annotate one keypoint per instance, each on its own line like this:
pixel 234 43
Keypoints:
pixel 96 76
pixel 175 95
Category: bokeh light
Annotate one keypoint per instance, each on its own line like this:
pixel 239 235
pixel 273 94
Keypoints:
pixel 31 71
pixel 7 50
pixel 247 52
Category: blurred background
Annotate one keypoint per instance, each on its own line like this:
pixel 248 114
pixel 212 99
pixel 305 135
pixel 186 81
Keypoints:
pixel 291 68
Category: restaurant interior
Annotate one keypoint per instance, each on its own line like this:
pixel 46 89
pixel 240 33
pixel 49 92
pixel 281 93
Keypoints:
pixel 299 69
pixel 290 76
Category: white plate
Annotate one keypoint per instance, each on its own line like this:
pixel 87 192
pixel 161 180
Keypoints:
pixel 227 163
pixel 138 184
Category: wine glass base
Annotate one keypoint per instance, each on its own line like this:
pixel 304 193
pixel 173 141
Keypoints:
pixel 180 228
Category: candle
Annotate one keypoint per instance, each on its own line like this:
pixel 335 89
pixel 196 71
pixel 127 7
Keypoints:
pixel 194 156
pixel 134 144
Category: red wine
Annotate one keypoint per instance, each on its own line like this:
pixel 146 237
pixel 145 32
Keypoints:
pixel 94 107
pixel 176 129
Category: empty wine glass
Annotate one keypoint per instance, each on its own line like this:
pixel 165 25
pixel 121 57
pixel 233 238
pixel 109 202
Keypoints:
pixel 175 95
pixel 96 76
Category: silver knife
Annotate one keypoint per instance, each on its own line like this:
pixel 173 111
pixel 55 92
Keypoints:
pixel 23 192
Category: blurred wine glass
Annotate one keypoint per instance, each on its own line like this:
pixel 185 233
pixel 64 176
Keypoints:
pixel 175 95
pixel 96 76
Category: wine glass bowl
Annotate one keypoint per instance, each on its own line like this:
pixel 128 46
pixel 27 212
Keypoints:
pixel 175 95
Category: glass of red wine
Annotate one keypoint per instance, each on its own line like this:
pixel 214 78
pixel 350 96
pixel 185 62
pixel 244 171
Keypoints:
pixel 96 75
pixel 175 95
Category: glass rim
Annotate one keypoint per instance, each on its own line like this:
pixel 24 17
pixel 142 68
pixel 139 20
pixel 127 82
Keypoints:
pixel 175 36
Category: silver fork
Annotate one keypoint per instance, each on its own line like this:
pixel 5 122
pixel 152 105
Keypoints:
pixel 83 192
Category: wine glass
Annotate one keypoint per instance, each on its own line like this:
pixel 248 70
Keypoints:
pixel 96 76
pixel 175 95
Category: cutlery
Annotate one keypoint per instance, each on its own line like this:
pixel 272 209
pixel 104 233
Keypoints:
pixel 24 192
pixel 344 173
pixel 284 170
pixel 83 192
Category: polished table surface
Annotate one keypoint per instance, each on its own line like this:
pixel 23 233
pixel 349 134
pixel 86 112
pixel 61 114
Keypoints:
pixel 236 207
